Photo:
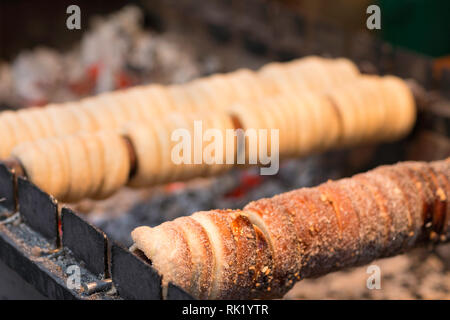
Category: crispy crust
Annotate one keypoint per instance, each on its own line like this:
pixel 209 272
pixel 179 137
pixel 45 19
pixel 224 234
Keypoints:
pixel 423 193
pixel 263 272
pixel 440 203
pixel 202 254
pixel 443 170
pixel 430 187
pixel 261 251
pixel 309 220
pixel 276 224
pixel 372 233
pixel 244 236
pixel 325 250
pixel 382 208
pixel 413 202
pixel 396 210
pixel 221 237
pixel 347 220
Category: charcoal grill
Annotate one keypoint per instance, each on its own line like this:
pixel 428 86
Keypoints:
pixel 40 239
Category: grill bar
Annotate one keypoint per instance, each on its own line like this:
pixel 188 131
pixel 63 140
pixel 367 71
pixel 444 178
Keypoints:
pixel 133 277
pixel 35 273
pixel 86 242
pixel 39 210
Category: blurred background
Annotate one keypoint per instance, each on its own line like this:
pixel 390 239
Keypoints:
pixel 118 47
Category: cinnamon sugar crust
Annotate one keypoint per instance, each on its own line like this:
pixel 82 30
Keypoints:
pixel 413 202
pixel 396 209
pixel 277 226
pixel 431 187
pixel 443 170
pixel 347 220
pixel 221 237
pixel 372 233
pixel 244 237
pixel 202 256
pixel 263 271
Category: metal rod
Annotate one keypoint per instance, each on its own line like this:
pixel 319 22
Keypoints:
pixel 97 286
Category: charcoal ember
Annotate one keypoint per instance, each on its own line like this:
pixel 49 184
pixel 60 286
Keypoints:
pixel 309 171
pixel 225 183
pixel 36 74
pixel 267 189
pixel 175 62
pixel 298 173
pixel 115 52
pixel 142 57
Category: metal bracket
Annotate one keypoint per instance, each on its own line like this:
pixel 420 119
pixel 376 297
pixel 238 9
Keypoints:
pixel 38 210
pixel 176 293
pixel 86 242
pixel 134 278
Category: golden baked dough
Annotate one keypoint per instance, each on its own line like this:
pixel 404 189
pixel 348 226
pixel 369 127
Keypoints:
pixel 116 164
pixel 84 121
pixel 61 120
pixel 113 110
pixel 146 147
pixel 400 104
pixel 159 97
pixel 78 166
pixel 35 161
pixel 101 114
pixel 18 127
pixel 182 101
